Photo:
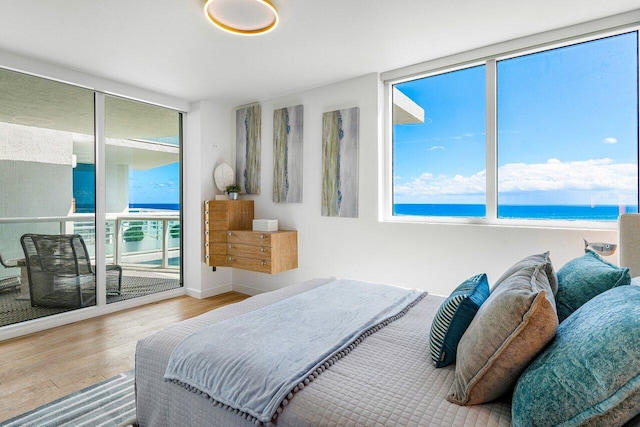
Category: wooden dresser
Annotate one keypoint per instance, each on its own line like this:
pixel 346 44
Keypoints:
pixel 264 251
pixel 230 242
pixel 220 216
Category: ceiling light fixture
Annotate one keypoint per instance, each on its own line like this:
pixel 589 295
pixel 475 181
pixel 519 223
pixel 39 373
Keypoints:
pixel 243 17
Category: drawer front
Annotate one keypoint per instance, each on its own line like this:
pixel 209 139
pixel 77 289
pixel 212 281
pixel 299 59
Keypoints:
pixel 216 225
pixel 216 236
pixel 249 238
pixel 216 215
pixel 215 206
pixel 259 265
pixel 215 248
pixel 249 251
pixel 217 260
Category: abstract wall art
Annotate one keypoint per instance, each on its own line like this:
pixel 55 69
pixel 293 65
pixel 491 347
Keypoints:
pixel 287 154
pixel 340 163
pixel 248 124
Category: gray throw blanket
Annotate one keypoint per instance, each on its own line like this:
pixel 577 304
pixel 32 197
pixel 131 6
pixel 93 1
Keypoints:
pixel 253 363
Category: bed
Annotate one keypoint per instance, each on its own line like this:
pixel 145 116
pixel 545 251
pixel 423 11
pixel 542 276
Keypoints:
pixel 368 387
pixel 390 378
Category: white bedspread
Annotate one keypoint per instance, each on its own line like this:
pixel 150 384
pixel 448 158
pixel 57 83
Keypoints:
pixel 252 362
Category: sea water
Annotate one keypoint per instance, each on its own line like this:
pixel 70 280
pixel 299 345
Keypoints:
pixel 553 212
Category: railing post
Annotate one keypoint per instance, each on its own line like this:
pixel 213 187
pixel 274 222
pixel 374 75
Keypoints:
pixel 117 238
pixel 165 243
pixel 67 227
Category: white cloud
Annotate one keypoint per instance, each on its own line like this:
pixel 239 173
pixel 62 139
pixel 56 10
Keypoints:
pixel 554 175
pixel 429 185
pixel 436 147
pixel 600 174
pixel 609 140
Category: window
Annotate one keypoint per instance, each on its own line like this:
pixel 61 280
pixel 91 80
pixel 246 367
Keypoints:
pixel 568 131
pixel 560 140
pixel 439 157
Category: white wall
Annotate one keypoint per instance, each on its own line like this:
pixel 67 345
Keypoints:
pixel 429 256
pixel 206 144
pixel 36 177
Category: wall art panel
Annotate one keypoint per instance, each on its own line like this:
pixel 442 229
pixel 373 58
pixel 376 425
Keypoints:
pixel 248 131
pixel 340 163
pixel 287 154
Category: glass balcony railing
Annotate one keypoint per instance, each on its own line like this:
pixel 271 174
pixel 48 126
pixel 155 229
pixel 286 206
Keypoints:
pixel 137 240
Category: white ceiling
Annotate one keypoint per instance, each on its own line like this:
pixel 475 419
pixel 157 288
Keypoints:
pixel 168 46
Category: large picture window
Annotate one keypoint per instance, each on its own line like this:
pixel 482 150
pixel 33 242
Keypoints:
pixel 568 131
pixel 561 138
pixel 438 158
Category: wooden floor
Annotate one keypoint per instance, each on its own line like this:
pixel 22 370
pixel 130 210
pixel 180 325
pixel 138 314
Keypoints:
pixel 44 366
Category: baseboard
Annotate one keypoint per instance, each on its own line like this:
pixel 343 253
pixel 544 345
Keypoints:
pixel 48 322
pixel 209 292
pixel 247 290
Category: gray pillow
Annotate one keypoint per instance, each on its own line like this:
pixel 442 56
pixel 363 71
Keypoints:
pixel 542 260
pixel 512 326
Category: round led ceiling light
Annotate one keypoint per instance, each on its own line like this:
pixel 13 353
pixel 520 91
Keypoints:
pixel 243 17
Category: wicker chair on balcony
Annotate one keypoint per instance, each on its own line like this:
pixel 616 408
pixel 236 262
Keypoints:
pixel 60 271
pixel 9 282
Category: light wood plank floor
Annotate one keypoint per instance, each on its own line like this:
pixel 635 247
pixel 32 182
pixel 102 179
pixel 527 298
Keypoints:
pixel 38 368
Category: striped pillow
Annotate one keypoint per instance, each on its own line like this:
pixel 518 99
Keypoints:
pixel 453 318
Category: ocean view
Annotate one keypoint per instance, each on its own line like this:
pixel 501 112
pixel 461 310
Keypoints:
pixel 90 208
pixel 155 206
pixel 557 212
pixel 554 212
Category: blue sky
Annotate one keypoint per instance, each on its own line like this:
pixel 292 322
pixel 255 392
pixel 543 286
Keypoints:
pixel 567 130
pixel 157 185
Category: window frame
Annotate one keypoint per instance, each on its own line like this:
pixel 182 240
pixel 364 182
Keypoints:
pixel 489 57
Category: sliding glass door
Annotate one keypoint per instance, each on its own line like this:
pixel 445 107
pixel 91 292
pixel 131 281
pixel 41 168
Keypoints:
pixel 48 187
pixel 46 140
pixel 143 196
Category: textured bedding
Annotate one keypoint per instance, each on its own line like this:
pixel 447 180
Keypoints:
pixel 254 362
pixel 386 380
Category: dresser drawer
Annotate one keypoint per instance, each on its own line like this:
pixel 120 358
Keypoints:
pixel 249 251
pixel 217 260
pixel 222 215
pixel 216 236
pixel 216 225
pixel 215 248
pixel 249 237
pixel 216 206
pixel 259 265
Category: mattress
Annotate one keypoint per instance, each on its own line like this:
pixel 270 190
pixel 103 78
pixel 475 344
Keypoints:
pixel 388 380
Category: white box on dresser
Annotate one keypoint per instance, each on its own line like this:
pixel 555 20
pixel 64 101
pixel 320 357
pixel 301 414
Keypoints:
pixel 265 225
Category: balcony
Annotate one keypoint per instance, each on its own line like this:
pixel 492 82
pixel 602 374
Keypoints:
pixel 145 244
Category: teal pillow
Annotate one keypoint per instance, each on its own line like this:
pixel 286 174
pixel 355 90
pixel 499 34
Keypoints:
pixel 583 278
pixel 453 318
pixel 590 373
